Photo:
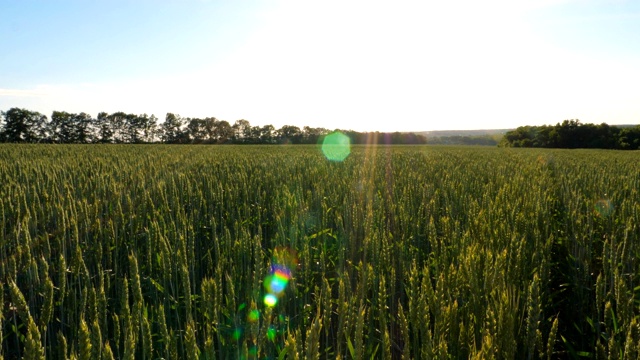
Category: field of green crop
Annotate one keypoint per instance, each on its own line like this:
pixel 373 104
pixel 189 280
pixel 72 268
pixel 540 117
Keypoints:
pixel 276 252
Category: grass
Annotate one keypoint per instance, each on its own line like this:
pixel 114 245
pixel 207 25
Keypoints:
pixel 157 251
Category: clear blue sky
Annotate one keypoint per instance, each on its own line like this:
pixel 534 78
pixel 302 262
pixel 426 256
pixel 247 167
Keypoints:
pixel 364 65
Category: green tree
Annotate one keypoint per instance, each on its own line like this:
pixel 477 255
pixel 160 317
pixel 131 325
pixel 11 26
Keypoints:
pixel 267 134
pixel 83 129
pixel 149 128
pixel 103 128
pixel 172 130
pixel 61 127
pixel 71 128
pixel 569 134
pixel 21 125
pixel 312 135
pixel 224 131
pixel 210 129
pixel 290 134
pixel 138 128
pixel 629 138
pixel 254 135
pixel 241 131
pixel 197 131
pixel 118 124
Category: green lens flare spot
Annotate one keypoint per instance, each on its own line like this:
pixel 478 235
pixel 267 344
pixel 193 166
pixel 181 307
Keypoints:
pixel 603 207
pixel 253 351
pixel 336 146
pixel 237 333
pixel 270 300
pixel 271 333
pixel 253 316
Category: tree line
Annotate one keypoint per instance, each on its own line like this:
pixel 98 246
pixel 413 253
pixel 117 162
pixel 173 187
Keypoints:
pixel 476 140
pixel 572 134
pixel 24 126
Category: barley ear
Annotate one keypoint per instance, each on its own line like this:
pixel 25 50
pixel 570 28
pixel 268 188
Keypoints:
pixel 312 346
pixel 84 341
pixel 147 340
pixel 47 306
pixel 404 329
pixel 33 349
pixel 193 352
pixel 96 340
pixel 20 303
pixel 62 346
pixel 107 354
pixel 552 338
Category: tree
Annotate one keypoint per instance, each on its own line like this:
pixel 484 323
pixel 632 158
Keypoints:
pixel 197 130
pixel 629 138
pixel 569 134
pixel 61 127
pixel 290 134
pixel 103 127
pixel 149 128
pixel 522 136
pixel 118 124
pixel 210 129
pixel 21 125
pixel 255 134
pixel 241 130
pixel 267 134
pixel 312 135
pixel 224 131
pixel 71 128
pixel 605 136
pixel 139 128
pixel 83 131
pixel 172 132
pixel 132 129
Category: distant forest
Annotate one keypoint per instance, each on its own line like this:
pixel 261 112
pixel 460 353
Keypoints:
pixel 25 126
pixel 477 140
pixel 572 134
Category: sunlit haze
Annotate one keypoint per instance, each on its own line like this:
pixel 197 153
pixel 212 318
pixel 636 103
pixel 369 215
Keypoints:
pixel 361 65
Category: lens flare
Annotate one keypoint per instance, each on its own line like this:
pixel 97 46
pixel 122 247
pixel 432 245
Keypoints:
pixel 271 333
pixel 253 351
pixel 270 300
pixel 278 280
pixel 253 316
pixel 603 207
pixel 336 146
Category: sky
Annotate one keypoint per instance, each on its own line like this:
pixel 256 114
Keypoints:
pixel 402 65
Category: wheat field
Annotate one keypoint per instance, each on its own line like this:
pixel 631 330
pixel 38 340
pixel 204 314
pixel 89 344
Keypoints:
pixel 276 252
